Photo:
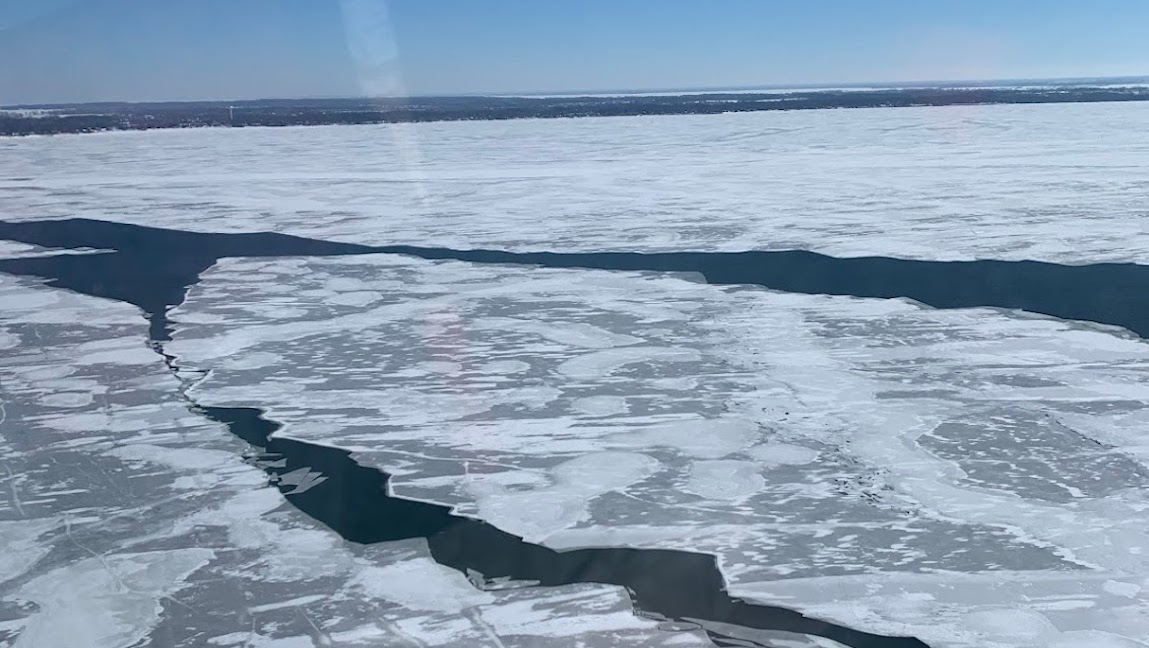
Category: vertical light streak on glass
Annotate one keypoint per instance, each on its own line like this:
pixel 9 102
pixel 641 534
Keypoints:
pixel 375 55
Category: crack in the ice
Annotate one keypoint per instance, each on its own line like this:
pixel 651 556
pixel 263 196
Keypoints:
pixel 153 268
pixel 1106 293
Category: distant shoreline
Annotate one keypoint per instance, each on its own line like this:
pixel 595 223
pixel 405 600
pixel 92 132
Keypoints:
pixel 89 118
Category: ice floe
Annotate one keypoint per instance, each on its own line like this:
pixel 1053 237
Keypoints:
pixel 825 440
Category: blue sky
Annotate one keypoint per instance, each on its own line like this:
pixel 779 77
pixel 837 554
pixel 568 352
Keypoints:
pixel 94 50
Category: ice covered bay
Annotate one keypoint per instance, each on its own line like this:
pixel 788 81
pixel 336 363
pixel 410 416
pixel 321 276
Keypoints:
pixel 1056 182
pixel 971 477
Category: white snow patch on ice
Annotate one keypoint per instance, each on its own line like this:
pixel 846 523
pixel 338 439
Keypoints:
pixel 179 458
pixel 421 584
pixel 67 399
pixel 525 618
pixel 504 367
pixel 21 547
pixel 781 454
pixel 535 513
pixel 600 406
pixel 578 334
pixel 361 298
pixel 724 479
pixel 108 601
pixel 603 363
pixel 8 340
pixel 702 438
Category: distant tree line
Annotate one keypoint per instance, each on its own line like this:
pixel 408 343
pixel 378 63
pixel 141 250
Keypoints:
pixel 87 118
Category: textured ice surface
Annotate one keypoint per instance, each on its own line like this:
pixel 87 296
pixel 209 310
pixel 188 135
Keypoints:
pixel 1056 182
pixel 974 478
pixel 125 520
pixel 903 469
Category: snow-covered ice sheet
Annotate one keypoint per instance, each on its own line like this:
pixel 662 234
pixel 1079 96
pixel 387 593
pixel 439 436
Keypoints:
pixel 902 469
pixel 126 520
pixel 973 478
pixel 1055 182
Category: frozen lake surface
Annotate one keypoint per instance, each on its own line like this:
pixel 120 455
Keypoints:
pixel 1058 182
pixel 970 477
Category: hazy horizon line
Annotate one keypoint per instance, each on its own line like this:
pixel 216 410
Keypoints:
pixel 812 86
